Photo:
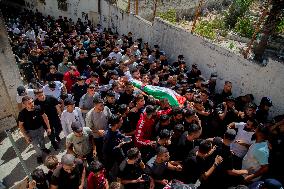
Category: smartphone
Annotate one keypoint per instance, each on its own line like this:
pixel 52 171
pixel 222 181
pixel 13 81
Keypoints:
pixel 127 139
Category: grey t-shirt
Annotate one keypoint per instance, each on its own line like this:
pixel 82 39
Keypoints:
pixel 81 145
pixel 98 120
pixel 86 101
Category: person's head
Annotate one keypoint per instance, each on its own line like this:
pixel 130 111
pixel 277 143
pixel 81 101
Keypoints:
pixel 164 137
pixel 194 132
pixel 198 104
pixel 39 177
pixel 51 162
pixel 190 115
pixel 204 94
pixel 145 78
pixel 265 103
pixel 230 101
pixel 136 74
pixel 96 167
pixel 73 69
pixel 81 80
pixel 251 124
pixel 250 109
pixel 115 121
pixel 139 101
pixel 77 128
pixel 178 130
pixel 91 89
pixel 123 110
pixel 229 136
pixel 68 162
pixel 189 94
pixel 177 113
pixel 227 87
pixel 52 85
pixel 21 91
pixel 39 94
pixel 110 96
pixel 163 154
pixel 129 88
pixel 164 103
pixel 99 104
pixel 164 120
pixel 133 154
pixel 205 149
pixel 150 111
pixel 69 104
pixel 262 132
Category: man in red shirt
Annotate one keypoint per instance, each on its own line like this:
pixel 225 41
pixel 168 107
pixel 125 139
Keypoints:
pixel 70 78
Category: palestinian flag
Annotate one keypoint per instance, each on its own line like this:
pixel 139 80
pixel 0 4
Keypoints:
pixel 158 92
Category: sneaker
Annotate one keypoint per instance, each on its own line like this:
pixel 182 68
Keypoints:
pixel 45 150
pixel 39 160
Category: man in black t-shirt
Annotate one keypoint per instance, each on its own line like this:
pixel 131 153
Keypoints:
pixel 51 106
pixel 31 120
pixel 131 171
pixel 70 174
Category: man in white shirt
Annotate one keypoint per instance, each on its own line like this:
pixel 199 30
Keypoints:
pixel 116 53
pixel 53 88
pixel 69 115
pixel 243 139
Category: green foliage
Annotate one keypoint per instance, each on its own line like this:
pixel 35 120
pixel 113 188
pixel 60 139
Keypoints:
pixel 231 45
pixel 244 27
pixel 169 15
pixel 280 26
pixel 236 10
pixel 206 29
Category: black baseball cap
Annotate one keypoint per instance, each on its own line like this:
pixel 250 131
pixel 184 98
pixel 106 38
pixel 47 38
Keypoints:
pixel 180 56
pixel 231 98
pixel 21 90
pixel 52 84
pixel 266 101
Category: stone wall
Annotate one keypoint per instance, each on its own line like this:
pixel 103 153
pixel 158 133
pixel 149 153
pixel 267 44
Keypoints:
pixel 75 9
pixel 9 81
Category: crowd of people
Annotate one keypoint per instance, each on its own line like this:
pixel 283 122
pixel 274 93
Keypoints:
pixel 131 118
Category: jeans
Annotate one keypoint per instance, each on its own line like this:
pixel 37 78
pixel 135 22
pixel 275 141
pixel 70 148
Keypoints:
pixel 37 138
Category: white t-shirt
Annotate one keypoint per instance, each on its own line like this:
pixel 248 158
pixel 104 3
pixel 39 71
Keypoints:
pixel 56 93
pixel 68 118
pixel 256 156
pixel 30 93
pixel 244 136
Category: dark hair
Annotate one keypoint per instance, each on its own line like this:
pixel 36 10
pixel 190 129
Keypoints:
pixel 114 119
pixel 39 176
pixel 51 162
pixel 96 166
pixel 254 122
pixel 161 150
pixel 149 109
pixel 122 108
pixel 26 98
pixel 176 111
pixel 98 101
pixel 189 112
pixel 205 146
pixel 110 93
pixel 228 82
pixel 205 91
pixel 133 153
pixel 165 134
pixel 251 105
pixel 193 128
